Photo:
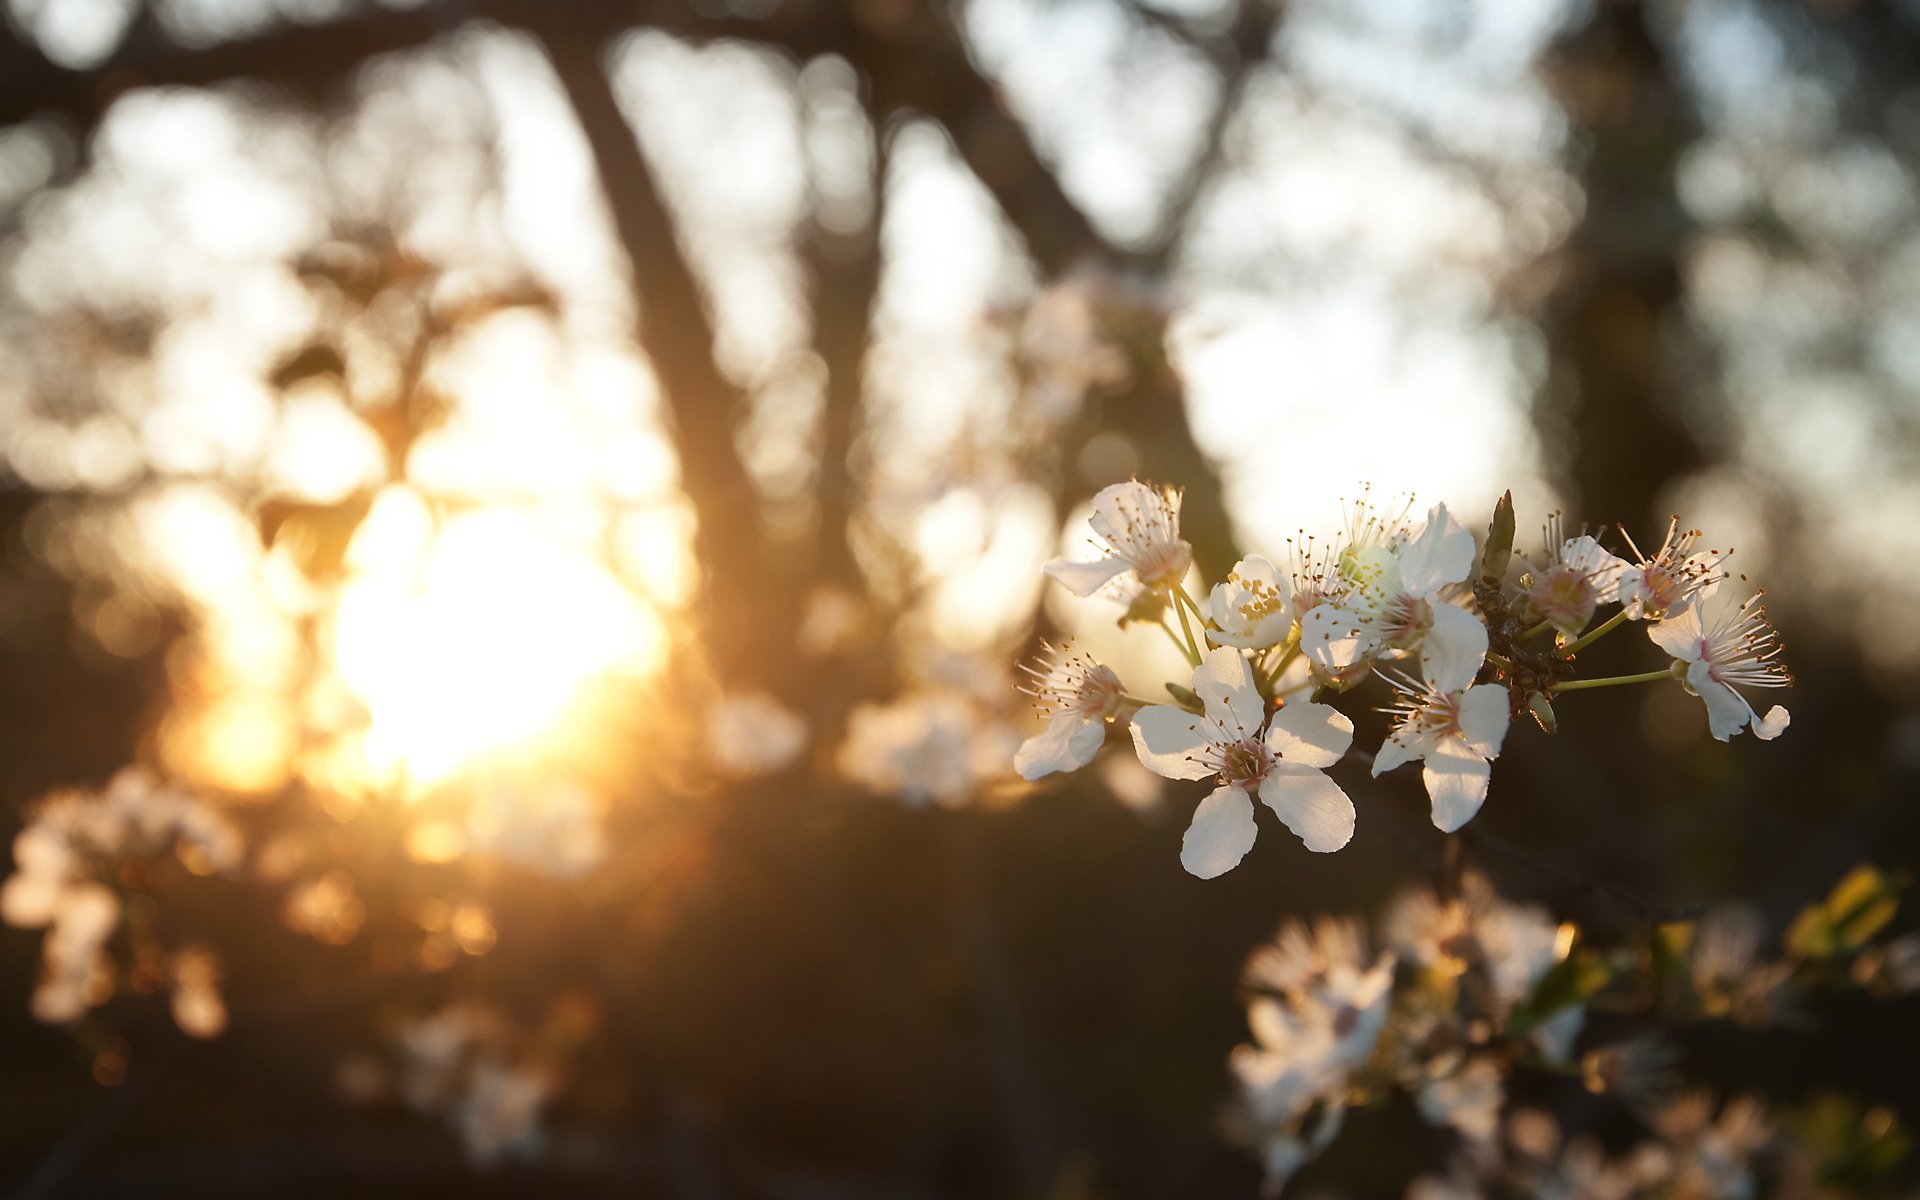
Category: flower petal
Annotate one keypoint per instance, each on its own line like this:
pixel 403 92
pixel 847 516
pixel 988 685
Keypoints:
pixel 1312 805
pixel 1120 509
pixel 1452 651
pixel 1679 635
pixel 1773 724
pixel 1224 683
pixel 1086 578
pixel 1333 638
pixel 1221 833
pixel 1456 780
pixel 1169 741
pixel 1603 569
pixel 1394 752
pixel 1485 711
pixel 1312 735
pixel 1068 743
pixel 1727 710
pixel 1442 554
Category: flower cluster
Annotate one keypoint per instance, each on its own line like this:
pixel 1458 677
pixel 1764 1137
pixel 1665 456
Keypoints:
pixel 66 865
pixel 459 1063
pixel 1464 637
pixel 1469 988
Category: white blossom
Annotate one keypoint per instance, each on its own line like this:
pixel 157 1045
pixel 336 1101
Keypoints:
pixel 554 827
pixel 1282 759
pixel 751 734
pixel 1391 599
pixel 1139 528
pixel 1578 576
pixel 1724 644
pixel 1453 724
pixel 929 748
pixel 1251 608
pixel 1465 1096
pixel 1078 696
pixel 1665 582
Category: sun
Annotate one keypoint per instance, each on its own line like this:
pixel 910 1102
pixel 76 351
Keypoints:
pixel 467 640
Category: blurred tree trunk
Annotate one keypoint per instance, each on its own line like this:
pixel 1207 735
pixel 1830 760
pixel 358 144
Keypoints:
pixel 1613 417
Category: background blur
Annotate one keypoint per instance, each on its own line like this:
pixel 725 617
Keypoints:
pixel 415 413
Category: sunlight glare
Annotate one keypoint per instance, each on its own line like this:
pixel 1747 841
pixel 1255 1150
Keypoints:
pixel 479 643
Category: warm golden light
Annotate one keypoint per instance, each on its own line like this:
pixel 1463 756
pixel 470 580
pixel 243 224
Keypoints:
pixel 472 641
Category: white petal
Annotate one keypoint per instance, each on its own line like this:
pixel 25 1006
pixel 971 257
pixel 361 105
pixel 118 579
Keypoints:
pixel 1727 711
pixel 1120 505
pixel 1442 554
pixel 1456 782
pixel 1485 710
pixel 1603 569
pixel 1393 752
pixel 1221 834
pixel 1312 735
pixel 1452 651
pixel 1068 743
pixel 1679 635
pixel 1169 741
pixel 1773 724
pixel 1333 638
pixel 1086 578
pixel 1224 683
pixel 1312 805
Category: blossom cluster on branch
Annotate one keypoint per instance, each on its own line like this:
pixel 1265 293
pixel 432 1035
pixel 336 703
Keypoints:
pixel 1465 637
pixel 1467 990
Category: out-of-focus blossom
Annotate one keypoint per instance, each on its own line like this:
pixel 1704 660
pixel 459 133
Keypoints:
pixel 930 748
pixel 327 908
pixel 556 828
pixel 1282 759
pixel 1451 723
pixel 1139 527
pixel 499 1114
pixel 1078 696
pixel 197 1006
pixel 1465 1095
pixel 1725 643
pixel 456 1063
pixel 73 840
pixel 1064 352
pixel 751 734
pixel 834 622
pixel 1713 1157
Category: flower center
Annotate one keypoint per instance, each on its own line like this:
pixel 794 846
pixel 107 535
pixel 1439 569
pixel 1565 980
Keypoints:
pixel 1244 763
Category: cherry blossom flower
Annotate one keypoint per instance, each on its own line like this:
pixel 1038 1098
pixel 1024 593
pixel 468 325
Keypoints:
pixel 1250 609
pixel 1392 599
pixel 1454 725
pixel 1578 576
pixel 1664 583
pixel 1078 696
pixel 1282 760
pixel 1140 527
pixel 1723 644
